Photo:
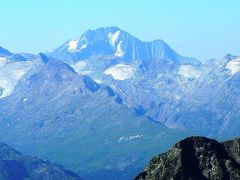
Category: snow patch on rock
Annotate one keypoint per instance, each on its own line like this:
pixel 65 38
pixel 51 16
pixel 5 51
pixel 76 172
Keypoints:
pixel 129 138
pixel 84 46
pixel 3 61
pixel 99 81
pixel 72 45
pixel 80 65
pixel 190 71
pixel 119 52
pixel 233 66
pixel 120 71
pixel 80 68
pixel 113 37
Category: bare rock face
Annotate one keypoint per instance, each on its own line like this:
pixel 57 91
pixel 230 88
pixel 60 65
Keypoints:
pixel 196 158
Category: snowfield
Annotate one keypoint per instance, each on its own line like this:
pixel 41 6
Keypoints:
pixel 120 71
pixel 233 66
pixel 190 71
pixel 10 74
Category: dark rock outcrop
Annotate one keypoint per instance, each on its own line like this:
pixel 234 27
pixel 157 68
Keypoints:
pixel 196 158
pixel 15 166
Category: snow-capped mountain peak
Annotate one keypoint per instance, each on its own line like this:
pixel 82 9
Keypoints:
pixel 116 43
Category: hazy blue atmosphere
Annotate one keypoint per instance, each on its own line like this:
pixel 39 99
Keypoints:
pixel 203 29
pixel 95 89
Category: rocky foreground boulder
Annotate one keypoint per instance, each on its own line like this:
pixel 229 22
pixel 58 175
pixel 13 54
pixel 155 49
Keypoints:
pixel 196 158
pixel 15 166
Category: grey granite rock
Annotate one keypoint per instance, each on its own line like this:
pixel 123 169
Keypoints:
pixel 196 158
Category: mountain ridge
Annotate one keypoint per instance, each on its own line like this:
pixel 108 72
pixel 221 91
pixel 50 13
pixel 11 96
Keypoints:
pixel 196 158
pixel 14 165
pixel 53 108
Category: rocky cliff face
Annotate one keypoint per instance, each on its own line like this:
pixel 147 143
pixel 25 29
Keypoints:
pixel 196 158
pixel 15 166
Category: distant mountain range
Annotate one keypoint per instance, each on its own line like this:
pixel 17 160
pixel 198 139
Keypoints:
pixel 196 158
pixel 147 75
pixel 178 91
pixel 105 103
pixel 14 165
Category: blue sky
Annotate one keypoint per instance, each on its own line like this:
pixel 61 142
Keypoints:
pixel 199 28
